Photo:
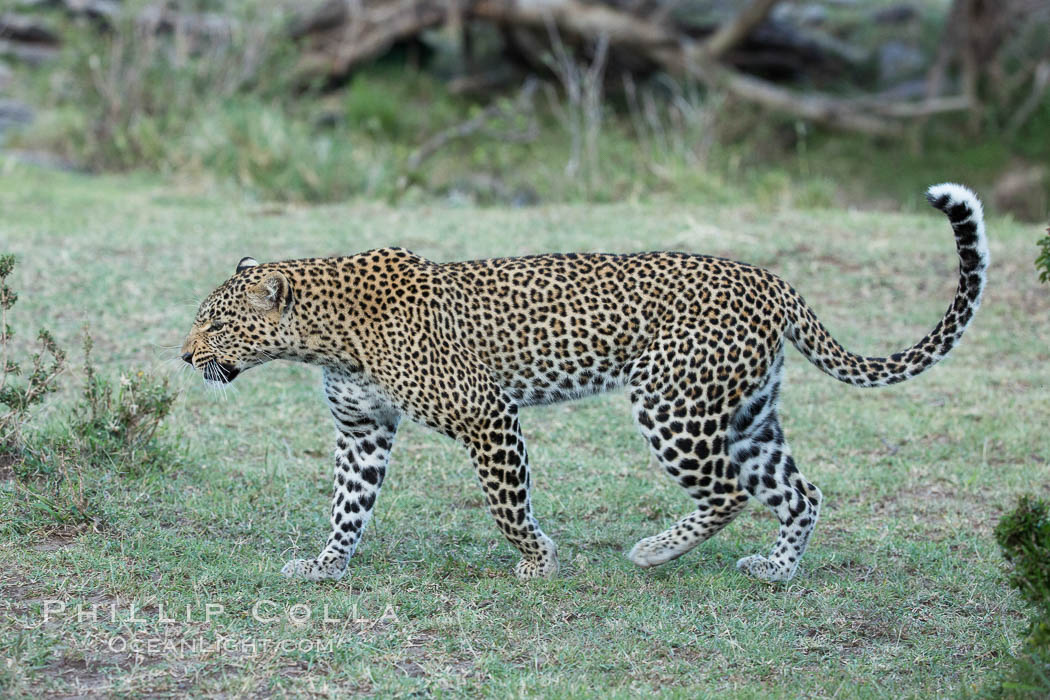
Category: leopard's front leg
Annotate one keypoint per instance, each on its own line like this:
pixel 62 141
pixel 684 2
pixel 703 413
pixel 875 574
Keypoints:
pixel 457 396
pixel 501 462
pixel 365 425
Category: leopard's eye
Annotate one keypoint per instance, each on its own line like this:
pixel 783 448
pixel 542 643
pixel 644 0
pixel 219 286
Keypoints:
pixel 216 326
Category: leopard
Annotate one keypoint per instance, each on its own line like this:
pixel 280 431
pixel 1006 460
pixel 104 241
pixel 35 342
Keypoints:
pixel 698 343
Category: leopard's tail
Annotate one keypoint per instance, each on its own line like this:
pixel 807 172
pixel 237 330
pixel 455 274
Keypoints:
pixel 812 339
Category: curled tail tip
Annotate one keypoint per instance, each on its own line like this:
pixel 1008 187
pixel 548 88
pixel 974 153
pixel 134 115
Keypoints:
pixel 966 215
pixel 959 202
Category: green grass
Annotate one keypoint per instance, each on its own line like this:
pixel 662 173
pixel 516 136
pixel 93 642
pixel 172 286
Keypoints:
pixel 900 595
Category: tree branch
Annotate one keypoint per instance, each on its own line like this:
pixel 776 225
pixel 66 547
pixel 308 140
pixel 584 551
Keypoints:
pixel 373 25
pixel 818 108
pixel 736 30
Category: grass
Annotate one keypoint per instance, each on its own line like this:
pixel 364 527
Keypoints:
pixel 901 593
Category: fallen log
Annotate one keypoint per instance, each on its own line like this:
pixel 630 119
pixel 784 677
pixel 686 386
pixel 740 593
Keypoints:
pixel 341 35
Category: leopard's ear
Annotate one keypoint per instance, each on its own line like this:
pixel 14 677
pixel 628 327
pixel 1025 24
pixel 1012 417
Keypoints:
pixel 245 263
pixel 272 294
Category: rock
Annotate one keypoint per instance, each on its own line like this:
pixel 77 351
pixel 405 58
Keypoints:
pixel 1024 191
pixel 524 196
pixel 102 11
pixel 898 61
pixel 914 89
pixel 5 77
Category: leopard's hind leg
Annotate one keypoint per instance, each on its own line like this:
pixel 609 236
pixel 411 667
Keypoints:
pixel 690 444
pixel 766 469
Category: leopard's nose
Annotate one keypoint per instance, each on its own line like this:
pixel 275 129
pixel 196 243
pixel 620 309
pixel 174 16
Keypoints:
pixel 187 357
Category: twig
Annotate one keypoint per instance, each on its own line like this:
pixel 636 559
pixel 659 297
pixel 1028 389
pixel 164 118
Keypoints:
pixel 946 50
pixel 970 69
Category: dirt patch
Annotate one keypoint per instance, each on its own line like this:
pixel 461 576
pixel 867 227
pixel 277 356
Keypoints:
pixel 82 676
pixel 943 510
pixel 849 634
pixel 850 570
pixel 7 466
pixel 409 666
pixel 55 541
pixel 18 593
pixel 419 653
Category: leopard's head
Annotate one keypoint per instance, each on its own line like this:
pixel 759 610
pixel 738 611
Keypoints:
pixel 243 323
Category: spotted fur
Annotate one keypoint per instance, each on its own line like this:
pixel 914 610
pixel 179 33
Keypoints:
pixel 698 342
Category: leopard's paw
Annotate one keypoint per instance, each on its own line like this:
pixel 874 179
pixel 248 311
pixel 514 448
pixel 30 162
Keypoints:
pixel 653 551
pixel 758 566
pixel 530 568
pixel 312 570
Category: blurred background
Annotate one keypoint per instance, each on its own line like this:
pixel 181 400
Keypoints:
pixel 804 103
pixel 196 132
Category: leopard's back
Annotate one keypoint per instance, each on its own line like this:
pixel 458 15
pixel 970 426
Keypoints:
pixel 557 327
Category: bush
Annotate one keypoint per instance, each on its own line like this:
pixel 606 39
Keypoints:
pixel 1043 261
pixel 62 499
pixel 61 473
pixel 19 395
pixel 116 427
pixel 1024 537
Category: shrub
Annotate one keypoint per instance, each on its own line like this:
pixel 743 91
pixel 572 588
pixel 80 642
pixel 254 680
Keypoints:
pixel 61 473
pixel 21 389
pixel 373 107
pixel 1043 261
pixel 1024 537
pixel 116 427
pixel 62 499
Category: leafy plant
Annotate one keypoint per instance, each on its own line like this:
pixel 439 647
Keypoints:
pixel 20 389
pixel 1024 537
pixel 61 472
pixel 1043 261
pixel 117 426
